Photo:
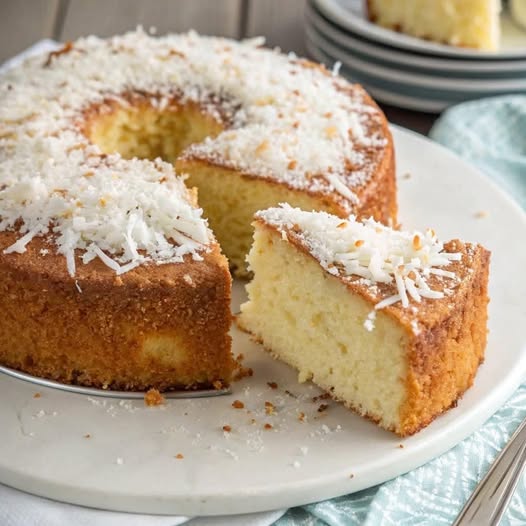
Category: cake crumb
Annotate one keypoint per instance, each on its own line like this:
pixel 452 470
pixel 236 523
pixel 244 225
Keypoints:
pixel 272 385
pixel 179 456
pixel 324 396
pixel 238 404
pixel 304 450
pixel 301 417
pixel 270 409
pixel 153 397
pixel 351 476
pixel 240 371
pixel 296 464
pixel 268 426
pixel 401 446
pixel 119 461
pixel 227 429
pixel 407 175
pixel 37 395
pixel 218 384
pixel 322 408
pixel 481 214
pixel 87 435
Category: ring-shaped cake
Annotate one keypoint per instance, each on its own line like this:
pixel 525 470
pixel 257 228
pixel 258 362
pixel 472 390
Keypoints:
pixel 109 273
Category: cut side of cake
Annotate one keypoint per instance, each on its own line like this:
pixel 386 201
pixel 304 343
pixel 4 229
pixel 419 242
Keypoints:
pixel 393 324
pixel 465 23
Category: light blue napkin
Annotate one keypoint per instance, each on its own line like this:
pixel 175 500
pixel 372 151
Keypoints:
pixel 490 133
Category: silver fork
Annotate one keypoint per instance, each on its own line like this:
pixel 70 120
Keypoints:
pixel 491 497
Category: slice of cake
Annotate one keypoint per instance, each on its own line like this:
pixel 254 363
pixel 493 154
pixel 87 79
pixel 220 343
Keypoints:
pixel 518 12
pixel 466 23
pixel 391 323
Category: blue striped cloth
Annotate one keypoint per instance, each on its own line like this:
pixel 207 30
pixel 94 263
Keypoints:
pixel 489 133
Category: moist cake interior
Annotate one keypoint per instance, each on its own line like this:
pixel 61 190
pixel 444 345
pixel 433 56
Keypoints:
pixel 229 198
pixel 329 345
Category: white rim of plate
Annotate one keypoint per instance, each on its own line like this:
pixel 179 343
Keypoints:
pixel 430 64
pixel 356 22
pixel 383 95
pixel 458 86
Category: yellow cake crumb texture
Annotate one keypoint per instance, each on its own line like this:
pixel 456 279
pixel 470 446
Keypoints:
pixel 465 23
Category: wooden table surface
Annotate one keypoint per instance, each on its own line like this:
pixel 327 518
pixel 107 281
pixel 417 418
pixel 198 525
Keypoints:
pixel 23 22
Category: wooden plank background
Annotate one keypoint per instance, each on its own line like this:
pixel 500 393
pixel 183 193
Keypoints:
pixel 23 22
pixel 109 17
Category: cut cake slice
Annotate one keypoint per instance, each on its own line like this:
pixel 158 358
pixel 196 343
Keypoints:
pixel 391 323
pixel 465 23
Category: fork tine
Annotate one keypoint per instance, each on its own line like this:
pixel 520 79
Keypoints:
pixel 491 497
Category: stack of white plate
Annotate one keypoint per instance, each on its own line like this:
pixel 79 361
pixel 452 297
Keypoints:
pixel 408 72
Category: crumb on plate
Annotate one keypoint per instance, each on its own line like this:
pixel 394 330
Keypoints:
pixel 153 397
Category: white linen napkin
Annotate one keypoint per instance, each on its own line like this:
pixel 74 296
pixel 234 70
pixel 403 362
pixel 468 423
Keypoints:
pixel 22 509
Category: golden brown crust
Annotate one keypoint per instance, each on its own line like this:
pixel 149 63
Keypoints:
pixel 444 358
pixel 378 197
pixel 157 326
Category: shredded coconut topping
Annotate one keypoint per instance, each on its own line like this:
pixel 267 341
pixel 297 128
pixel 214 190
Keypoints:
pixel 369 321
pixel 370 251
pixel 285 119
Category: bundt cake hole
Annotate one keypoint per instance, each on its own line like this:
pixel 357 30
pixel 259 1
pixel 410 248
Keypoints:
pixel 229 198
pixel 144 130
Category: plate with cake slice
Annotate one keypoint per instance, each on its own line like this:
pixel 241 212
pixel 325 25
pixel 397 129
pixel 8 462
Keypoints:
pixel 274 441
pixel 416 77
pixel 352 42
pixel 477 31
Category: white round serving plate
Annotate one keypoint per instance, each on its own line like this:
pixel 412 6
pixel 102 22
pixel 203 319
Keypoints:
pixel 408 60
pixel 351 15
pixel 128 462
